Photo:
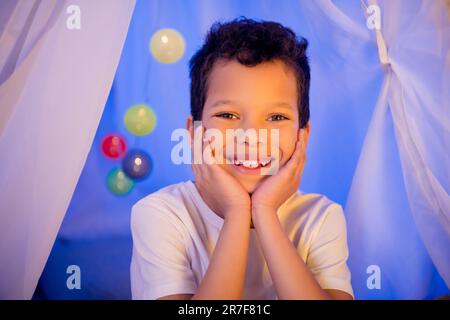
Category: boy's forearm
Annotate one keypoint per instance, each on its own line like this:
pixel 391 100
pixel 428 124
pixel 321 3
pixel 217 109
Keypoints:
pixel 224 278
pixel 291 276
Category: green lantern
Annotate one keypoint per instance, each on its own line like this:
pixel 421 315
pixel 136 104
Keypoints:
pixel 118 183
pixel 140 120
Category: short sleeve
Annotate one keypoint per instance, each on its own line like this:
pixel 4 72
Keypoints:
pixel 328 254
pixel 160 265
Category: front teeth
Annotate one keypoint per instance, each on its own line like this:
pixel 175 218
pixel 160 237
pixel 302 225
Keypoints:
pixel 252 163
pixel 265 162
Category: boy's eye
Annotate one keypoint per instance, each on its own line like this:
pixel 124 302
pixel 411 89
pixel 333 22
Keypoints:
pixel 227 115
pixel 278 117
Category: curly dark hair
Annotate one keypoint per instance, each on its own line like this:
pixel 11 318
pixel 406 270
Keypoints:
pixel 250 42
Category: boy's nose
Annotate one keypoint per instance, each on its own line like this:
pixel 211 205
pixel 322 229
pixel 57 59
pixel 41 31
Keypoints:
pixel 250 123
pixel 260 136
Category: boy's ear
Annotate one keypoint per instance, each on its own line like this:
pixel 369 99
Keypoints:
pixel 306 129
pixel 190 127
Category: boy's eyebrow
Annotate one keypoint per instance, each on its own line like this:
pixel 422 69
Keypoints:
pixel 224 101
pixel 231 102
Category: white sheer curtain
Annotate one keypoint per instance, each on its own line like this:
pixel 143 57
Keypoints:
pixel 398 206
pixel 414 103
pixel 54 82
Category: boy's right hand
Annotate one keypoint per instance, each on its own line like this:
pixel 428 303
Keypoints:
pixel 221 191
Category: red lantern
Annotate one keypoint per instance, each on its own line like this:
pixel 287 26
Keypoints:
pixel 113 146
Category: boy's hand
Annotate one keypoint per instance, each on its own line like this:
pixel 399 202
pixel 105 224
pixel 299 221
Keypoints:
pixel 276 189
pixel 221 191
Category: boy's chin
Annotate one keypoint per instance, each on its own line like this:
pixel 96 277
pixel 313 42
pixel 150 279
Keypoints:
pixel 250 185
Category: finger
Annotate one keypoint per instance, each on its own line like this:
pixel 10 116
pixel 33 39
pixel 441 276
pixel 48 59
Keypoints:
pixel 197 145
pixel 295 162
pixel 198 163
pixel 206 169
pixel 296 155
pixel 197 171
pixel 208 154
pixel 302 138
pixel 217 149
pixel 200 152
pixel 302 151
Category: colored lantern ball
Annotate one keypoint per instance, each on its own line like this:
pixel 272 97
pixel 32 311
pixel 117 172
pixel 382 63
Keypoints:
pixel 137 164
pixel 113 146
pixel 167 45
pixel 118 182
pixel 140 120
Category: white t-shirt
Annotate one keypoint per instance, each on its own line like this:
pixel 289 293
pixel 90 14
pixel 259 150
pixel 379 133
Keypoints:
pixel 175 232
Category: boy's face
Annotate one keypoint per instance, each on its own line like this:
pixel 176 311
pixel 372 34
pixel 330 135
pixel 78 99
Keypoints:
pixel 259 97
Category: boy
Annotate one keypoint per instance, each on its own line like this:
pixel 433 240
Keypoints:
pixel 235 233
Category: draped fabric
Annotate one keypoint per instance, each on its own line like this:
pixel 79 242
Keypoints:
pixel 54 82
pixel 399 206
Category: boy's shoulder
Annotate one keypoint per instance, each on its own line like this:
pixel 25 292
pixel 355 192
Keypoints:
pixel 311 207
pixel 169 197
pixel 164 207
pixel 312 199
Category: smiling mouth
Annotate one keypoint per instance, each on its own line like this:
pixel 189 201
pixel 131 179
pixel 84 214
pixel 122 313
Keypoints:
pixel 250 164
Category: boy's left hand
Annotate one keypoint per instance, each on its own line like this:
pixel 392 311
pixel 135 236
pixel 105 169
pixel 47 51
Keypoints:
pixel 276 189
